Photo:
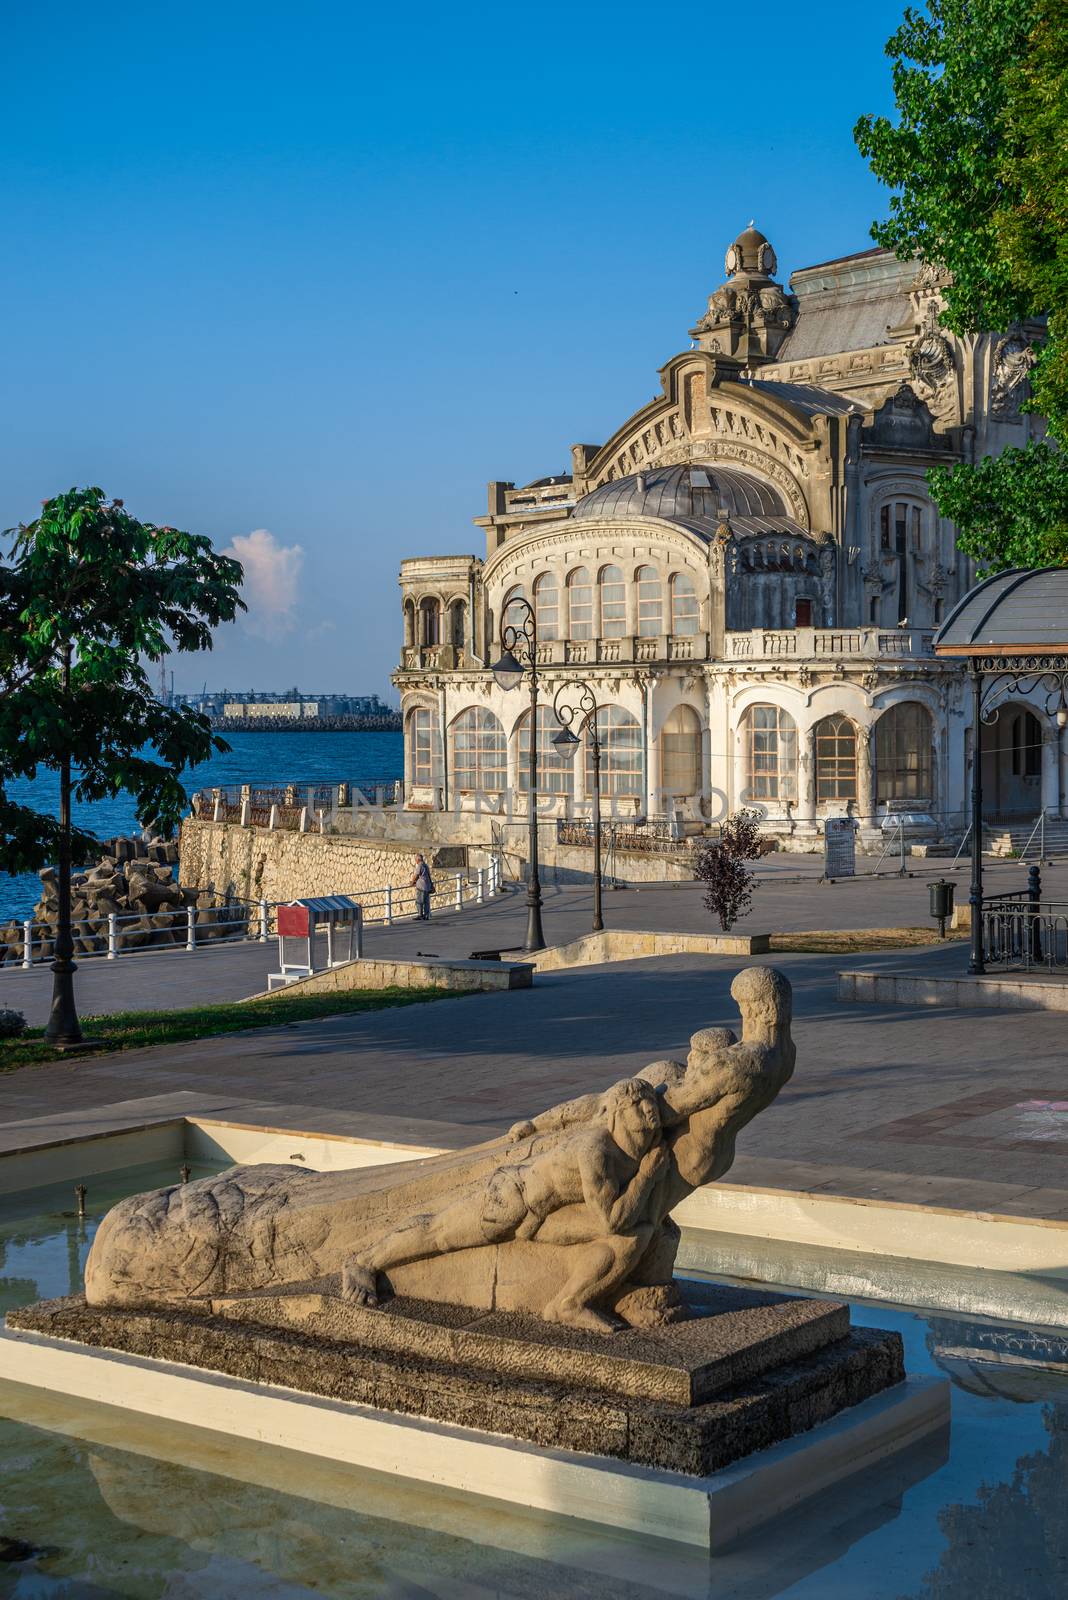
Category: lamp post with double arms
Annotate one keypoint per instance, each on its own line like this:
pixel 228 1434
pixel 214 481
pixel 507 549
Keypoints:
pixel 575 702
pixel 519 655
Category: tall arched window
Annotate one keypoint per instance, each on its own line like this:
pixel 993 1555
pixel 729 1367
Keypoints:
pixel 458 623
pixel 650 604
pixel 547 606
pixel 424 747
pixel 836 759
pixel 680 752
pixel 513 615
pixel 430 620
pixel 409 622
pixel 556 772
pixel 620 736
pixel 479 756
pixel 770 754
pixel 904 761
pixel 685 612
pixel 900 529
pixel 579 604
pixel 613 603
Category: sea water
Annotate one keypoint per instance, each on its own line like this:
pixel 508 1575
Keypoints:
pixel 256 758
pixel 97 1502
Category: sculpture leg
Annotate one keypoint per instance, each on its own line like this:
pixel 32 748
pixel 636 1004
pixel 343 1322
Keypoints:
pixel 469 1221
pixel 598 1268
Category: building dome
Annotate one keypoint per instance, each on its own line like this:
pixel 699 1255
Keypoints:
pixel 683 494
pixel 750 253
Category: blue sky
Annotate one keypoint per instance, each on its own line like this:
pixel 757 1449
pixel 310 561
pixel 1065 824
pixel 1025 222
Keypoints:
pixel 306 278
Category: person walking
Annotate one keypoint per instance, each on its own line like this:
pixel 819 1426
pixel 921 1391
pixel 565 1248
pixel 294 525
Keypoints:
pixel 423 884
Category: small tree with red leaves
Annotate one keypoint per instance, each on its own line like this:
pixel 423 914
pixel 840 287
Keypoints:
pixel 721 867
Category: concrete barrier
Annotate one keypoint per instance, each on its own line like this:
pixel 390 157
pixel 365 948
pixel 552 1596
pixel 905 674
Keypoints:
pixel 464 976
pixel 916 989
pixel 623 944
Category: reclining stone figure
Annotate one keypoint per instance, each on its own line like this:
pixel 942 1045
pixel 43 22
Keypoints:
pixel 567 1217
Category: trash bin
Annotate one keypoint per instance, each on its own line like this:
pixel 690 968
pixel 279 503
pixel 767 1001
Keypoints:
pixel 941 893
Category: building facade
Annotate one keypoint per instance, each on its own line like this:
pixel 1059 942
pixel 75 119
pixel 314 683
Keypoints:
pixel 747 574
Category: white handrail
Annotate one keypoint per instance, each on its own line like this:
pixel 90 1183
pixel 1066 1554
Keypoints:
pixel 251 920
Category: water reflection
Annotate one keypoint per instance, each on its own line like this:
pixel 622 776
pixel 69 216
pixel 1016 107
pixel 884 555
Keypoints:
pixel 96 1502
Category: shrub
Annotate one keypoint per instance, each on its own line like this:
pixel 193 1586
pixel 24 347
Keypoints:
pixel 721 867
pixel 12 1023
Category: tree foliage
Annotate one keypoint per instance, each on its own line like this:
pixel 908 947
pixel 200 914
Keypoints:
pixel 721 867
pixel 978 160
pixel 88 596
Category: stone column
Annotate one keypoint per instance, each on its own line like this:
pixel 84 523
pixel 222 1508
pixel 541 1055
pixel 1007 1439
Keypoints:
pixel 806 780
pixel 865 778
pixel 653 798
pixel 1051 763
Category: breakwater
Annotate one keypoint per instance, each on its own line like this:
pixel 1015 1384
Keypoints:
pixel 353 724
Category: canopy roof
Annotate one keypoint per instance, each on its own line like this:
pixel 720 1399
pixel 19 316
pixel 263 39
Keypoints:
pixel 1022 612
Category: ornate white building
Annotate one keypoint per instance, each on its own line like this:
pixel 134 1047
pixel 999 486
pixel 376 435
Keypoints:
pixel 748 574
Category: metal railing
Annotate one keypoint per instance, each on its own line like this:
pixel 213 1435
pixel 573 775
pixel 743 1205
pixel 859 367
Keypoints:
pixel 659 837
pixel 1024 932
pixel 193 928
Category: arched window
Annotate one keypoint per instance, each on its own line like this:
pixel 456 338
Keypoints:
pixel 685 612
pixel 547 606
pixel 424 748
pixel 900 528
pixel 513 615
pixel 613 603
pixel 770 754
pixel 579 604
pixel 650 605
pixel 409 622
pixel 904 763
pixel 556 772
pixel 457 623
pixel 430 621
pixel 620 737
pixel 680 752
pixel 479 757
pixel 836 759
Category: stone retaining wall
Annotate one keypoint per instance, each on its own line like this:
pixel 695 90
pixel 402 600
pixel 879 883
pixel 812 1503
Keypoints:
pixel 623 944
pixel 276 865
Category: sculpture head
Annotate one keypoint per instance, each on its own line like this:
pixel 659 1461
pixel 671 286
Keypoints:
pixel 707 1044
pixel 632 1111
pixel 765 1000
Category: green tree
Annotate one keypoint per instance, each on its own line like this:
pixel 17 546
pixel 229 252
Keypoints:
pixel 88 595
pixel 978 160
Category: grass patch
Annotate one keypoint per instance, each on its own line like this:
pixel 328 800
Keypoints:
pixel 847 941
pixel 133 1030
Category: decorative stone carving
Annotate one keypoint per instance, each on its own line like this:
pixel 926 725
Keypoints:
pixel 568 1217
pixel 1013 359
pixel 932 367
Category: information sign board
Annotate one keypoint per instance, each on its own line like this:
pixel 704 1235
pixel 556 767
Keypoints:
pixel 839 847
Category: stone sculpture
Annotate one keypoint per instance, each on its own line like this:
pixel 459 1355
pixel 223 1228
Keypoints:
pixel 568 1217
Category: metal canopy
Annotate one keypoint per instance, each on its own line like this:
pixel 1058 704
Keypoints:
pixel 1022 612
pixel 327 902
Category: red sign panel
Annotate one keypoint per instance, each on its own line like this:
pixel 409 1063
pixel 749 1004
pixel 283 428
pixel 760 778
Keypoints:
pixel 293 922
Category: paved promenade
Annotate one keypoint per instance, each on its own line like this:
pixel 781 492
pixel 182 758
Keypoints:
pixel 149 981
pixel 960 1109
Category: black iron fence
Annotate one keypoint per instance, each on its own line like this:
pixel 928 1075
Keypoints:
pixel 1023 932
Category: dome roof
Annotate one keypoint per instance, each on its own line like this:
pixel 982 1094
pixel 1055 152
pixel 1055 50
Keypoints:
pixel 750 252
pixel 686 493
pixel 1013 612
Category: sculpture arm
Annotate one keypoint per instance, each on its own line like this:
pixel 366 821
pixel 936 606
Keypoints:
pixel 558 1117
pixel 616 1209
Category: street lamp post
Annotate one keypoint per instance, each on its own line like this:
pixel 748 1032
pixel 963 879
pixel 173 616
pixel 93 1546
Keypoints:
pixel 584 709
pixel 519 654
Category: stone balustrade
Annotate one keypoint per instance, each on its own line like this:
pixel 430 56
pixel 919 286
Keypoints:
pixel 776 644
